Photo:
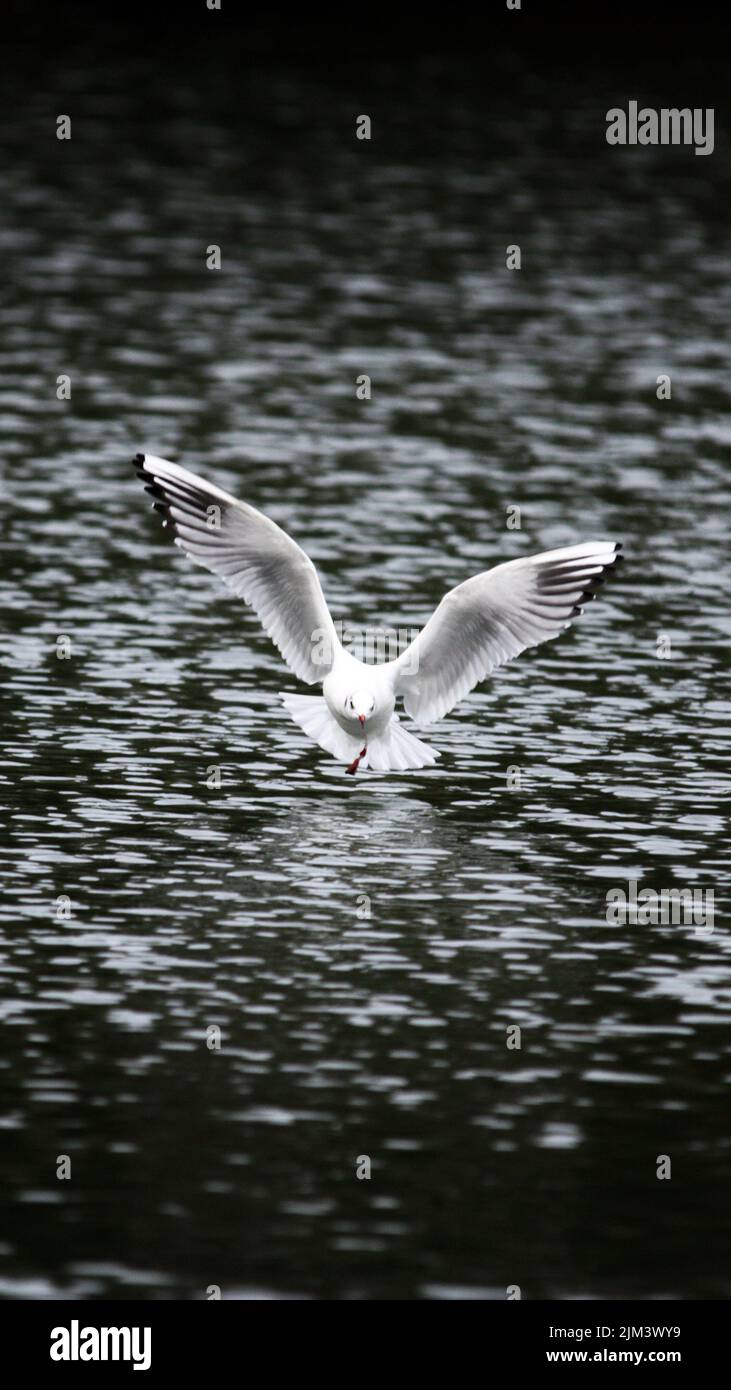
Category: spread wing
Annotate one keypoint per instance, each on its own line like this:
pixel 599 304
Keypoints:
pixel 494 617
pixel 255 557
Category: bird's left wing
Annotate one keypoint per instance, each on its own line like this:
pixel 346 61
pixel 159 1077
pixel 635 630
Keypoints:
pixel 492 618
pixel 255 557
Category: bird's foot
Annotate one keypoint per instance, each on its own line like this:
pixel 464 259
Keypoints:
pixel 356 762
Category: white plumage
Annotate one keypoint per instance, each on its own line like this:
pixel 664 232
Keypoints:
pixel 478 625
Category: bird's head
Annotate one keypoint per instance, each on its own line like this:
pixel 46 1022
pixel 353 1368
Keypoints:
pixel 360 705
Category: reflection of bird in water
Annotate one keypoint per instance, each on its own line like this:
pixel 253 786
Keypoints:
pixel 478 625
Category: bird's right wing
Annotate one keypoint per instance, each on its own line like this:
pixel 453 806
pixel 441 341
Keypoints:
pixel 255 557
pixel 492 618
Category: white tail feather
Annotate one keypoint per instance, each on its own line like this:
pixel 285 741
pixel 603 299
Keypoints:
pixel 396 748
pixel 315 720
pixel 400 750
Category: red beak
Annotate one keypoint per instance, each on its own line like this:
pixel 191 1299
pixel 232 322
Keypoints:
pixel 361 720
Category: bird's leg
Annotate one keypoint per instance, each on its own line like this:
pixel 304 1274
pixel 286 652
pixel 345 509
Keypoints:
pixel 356 761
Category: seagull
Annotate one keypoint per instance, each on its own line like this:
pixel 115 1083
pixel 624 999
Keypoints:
pixel 479 625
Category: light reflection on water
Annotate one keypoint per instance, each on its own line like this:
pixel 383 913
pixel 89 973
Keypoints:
pixel 344 1034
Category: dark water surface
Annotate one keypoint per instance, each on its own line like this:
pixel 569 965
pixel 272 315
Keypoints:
pixel 343 1035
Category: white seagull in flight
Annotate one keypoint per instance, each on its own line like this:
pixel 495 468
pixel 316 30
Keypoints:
pixel 479 625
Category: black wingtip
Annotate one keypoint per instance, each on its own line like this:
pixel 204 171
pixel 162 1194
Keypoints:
pixel 160 502
pixel 590 592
